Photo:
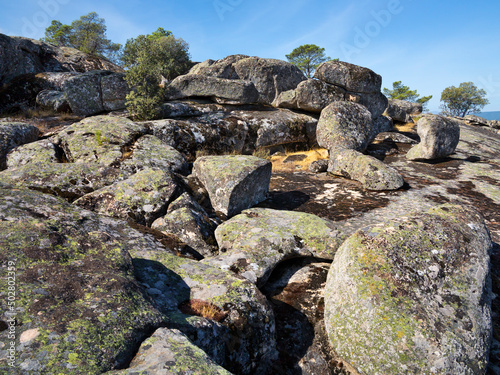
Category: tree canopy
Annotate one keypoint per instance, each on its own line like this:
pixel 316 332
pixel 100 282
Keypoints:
pixel 150 60
pixel 307 58
pixel 463 100
pixel 402 92
pixel 87 34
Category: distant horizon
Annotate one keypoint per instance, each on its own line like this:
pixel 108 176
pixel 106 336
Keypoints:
pixel 418 43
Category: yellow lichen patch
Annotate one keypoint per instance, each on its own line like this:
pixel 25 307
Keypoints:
pixel 297 161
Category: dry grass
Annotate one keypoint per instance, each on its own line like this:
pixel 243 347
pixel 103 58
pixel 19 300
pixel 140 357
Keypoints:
pixel 297 161
pixel 408 127
pixel 204 309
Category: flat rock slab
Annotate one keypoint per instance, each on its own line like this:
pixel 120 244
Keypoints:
pixel 413 295
pixel 233 182
pixel 43 151
pixel 143 197
pixel 253 243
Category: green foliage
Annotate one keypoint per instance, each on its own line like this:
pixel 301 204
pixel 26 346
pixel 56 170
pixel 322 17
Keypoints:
pixel 402 92
pixel 463 100
pixel 151 60
pixel 307 58
pixel 87 34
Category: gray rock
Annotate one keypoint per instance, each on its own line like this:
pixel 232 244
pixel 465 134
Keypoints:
pixel 413 295
pixel 371 172
pixel 383 124
pixel 143 197
pixel 114 90
pixel 270 76
pixel 84 94
pixel 187 220
pixel 254 242
pixel 98 139
pixel 376 102
pixel 229 91
pixel 319 166
pixel 170 352
pixel 495 124
pixel 401 110
pixel 345 125
pixel 150 152
pixel 475 120
pixel 439 137
pixel 348 76
pixel 234 182
pixel 13 134
pixel 54 100
pixel 79 294
pixel 67 180
pixel 314 95
pixel 223 68
pixel 42 151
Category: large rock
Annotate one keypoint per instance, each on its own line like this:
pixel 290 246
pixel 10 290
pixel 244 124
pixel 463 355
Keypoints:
pixel 439 137
pixel 95 92
pixel 253 243
pixel 20 56
pixel 143 197
pixel 401 110
pixel 42 151
pixel 13 134
pixel 54 100
pixel 170 352
pixel 346 125
pixel 223 68
pixel 351 77
pixel 413 296
pixel 231 91
pixel 371 172
pixel 78 308
pixel 234 182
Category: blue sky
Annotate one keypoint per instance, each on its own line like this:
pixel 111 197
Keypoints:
pixel 428 45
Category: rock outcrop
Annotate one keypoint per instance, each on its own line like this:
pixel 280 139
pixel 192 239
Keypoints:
pixel 13 134
pixel 400 298
pixel 401 110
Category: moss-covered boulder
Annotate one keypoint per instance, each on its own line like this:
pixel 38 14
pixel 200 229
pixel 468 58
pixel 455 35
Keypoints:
pixel 67 287
pixel 99 139
pixel 68 180
pixel 413 296
pixel 187 220
pixel 143 197
pixel 253 243
pixel 150 152
pixel 43 151
pixel 346 125
pixel 13 134
pixel 234 182
pixel 223 314
pixel 439 137
pixel 371 172
pixel 170 352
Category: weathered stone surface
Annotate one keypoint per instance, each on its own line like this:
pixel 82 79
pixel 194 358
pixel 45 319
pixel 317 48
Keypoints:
pixel 20 55
pixel 143 197
pixel 53 99
pixel 413 295
pixel 42 151
pixel 67 180
pixel 98 139
pixel 222 68
pixel 383 124
pixel 188 220
pixel 439 137
pixel 314 95
pixel 319 166
pixel 376 102
pixel 78 307
pixel 230 91
pixel 13 134
pixel 371 172
pixel 234 182
pixel 401 110
pixel 351 77
pixel 170 352
pixel 114 90
pixel 150 152
pixel 475 120
pixel 221 313
pixel 270 76
pixel 84 94
pixel 346 125
pixel 495 124
pixel 253 243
